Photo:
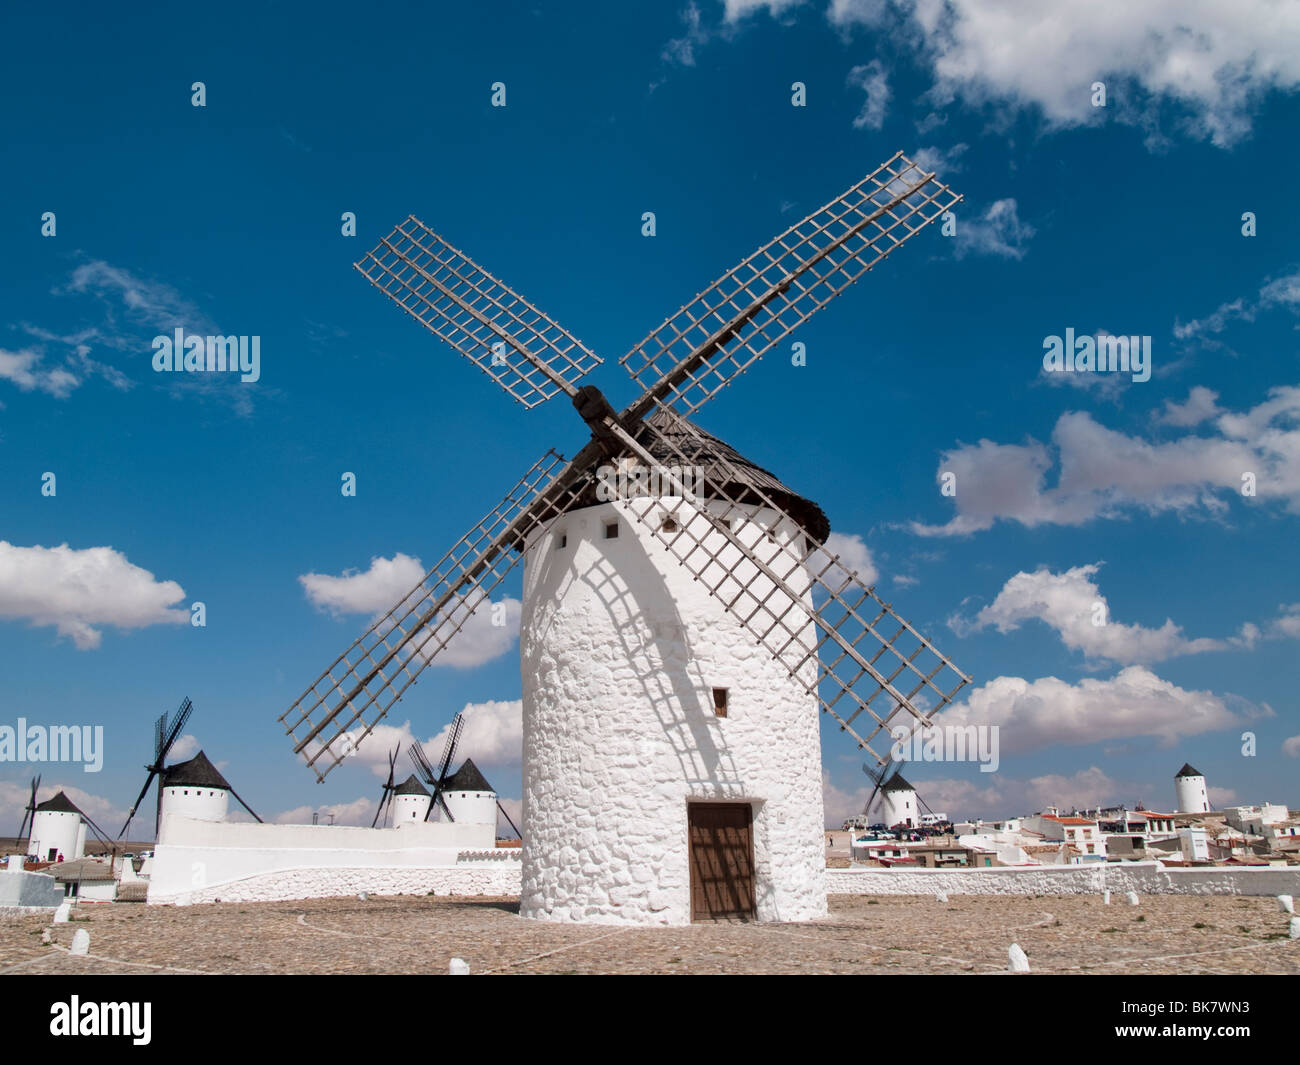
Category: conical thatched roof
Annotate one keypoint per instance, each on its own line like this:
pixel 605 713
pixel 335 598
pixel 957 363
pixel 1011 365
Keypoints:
pixel 198 772
pixel 411 786
pixel 59 804
pixel 467 778
pixel 804 511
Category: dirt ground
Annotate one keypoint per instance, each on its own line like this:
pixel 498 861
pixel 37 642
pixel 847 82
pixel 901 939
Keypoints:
pixel 968 934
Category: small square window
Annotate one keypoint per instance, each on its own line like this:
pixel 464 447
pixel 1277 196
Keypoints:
pixel 611 530
pixel 720 702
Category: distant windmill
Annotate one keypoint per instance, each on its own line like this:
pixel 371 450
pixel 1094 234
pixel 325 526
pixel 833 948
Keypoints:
pixel 165 736
pixel 442 781
pixel 29 811
pixel 881 776
pixel 437 779
pixel 389 786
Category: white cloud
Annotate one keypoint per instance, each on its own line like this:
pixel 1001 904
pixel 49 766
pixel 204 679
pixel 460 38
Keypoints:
pixel 372 592
pixel 942 161
pixel 493 734
pixel 388 580
pixel 735 10
pixel 1291 746
pixel 1071 602
pixel 682 49
pixel 1221 797
pixel 872 79
pixel 1211 62
pixel 998 232
pixel 152 303
pixel 358 813
pixel 1280 292
pixel 1032 715
pixel 76 590
pixel 854 555
pixel 24 369
pixel 183 749
pixel 1104 473
pixel 1200 407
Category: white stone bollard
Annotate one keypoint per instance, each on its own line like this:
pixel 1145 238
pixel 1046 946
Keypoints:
pixel 45 936
pixel 458 967
pixel 942 896
pixel 15 864
pixel 1286 903
pixel 363 896
pixel 1295 928
pixel 81 942
pixel 61 914
pixel 1105 897
pixel 1132 897
pixel 1018 959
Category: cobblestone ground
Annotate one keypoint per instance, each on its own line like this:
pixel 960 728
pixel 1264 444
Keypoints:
pixel 1164 934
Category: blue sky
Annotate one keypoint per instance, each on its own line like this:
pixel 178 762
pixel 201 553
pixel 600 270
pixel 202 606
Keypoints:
pixel 226 219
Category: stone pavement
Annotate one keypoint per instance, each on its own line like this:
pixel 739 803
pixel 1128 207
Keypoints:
pixel 968 934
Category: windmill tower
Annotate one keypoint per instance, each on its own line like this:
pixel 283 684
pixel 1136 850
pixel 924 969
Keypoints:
pixel 193 789
pixel 681 622
pixel 1190 793
pixel 197 790
pixel 411 802
pixel 469 797
pixel 58 828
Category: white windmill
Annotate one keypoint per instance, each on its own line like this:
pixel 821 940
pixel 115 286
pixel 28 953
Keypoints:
pixel 677 637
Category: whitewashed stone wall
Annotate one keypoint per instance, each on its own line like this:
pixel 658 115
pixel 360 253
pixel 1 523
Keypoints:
pixel 21 890
pixel 1148 878
pixel 470 878
pixel 199 859
pixel 620 650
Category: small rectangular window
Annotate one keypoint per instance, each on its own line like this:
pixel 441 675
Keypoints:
pixel 669 525
pixel 562 541
pixel 611 530
pixel 720 702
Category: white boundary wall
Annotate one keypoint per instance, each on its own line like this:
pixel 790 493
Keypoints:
pixel 1148 878
pixel 201 861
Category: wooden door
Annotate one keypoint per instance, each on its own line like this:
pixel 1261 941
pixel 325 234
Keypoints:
pixel 722 860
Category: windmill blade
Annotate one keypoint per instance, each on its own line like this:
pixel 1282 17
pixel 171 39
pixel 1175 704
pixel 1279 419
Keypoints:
pixel 508 820
pixel 449 748
pixel 852 652
pixel 422 766
pixel 179 720
pixel 364 682
pixel 388 786
pixel 880 777
pixel 730 325
pixel 443 803
pixel 504 335
pixel 29 812
pixel 159 735
pixel 138 799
